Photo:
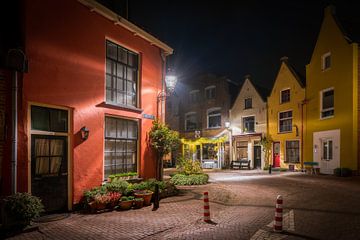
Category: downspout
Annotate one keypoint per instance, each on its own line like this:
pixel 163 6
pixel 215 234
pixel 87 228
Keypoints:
pixel 302 134
pixel 14 138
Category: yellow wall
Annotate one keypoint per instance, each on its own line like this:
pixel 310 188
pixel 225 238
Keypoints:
pixel 285 79
pixel 342 76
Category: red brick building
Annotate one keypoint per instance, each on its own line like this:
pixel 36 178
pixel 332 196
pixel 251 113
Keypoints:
pixel 87 67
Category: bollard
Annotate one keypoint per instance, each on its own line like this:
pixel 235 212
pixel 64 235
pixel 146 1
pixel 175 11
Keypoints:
pixel 206 208
pixel 278 214
pixel 270 169
pixel 156 198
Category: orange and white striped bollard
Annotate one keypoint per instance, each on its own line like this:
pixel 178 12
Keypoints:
pixel 278 214
pixel 206 208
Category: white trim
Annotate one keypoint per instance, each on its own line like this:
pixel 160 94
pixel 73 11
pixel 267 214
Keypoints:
pixel 242 123
pixel 292 116
pixel 213 115
pixel 323 57
pixel 321 103
pixel 282 90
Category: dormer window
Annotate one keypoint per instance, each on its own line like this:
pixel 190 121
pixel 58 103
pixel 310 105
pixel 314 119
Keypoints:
pixel 326 61
pixel 210 92
pixel 285 96
pixel 248 103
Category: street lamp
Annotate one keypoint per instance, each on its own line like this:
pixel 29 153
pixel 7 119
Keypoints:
pixel 170 82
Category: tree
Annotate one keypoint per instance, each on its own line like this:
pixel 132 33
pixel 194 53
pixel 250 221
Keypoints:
pixel 163 140
pixel 266 142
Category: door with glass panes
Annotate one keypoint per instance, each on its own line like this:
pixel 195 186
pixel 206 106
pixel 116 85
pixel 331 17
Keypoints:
pixel 49 162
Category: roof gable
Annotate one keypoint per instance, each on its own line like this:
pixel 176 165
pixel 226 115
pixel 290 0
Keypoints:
pixel 247 84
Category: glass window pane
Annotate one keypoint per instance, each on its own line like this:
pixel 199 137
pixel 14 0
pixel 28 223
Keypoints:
pixel 58 120
pixel 110 127
pixel 122 55
pixel 42 165
pixel 109 145
pixel 111 50
pixel 328 99
pixel 40 119
pixel 330 150
pixel 120 70
pixel 108 66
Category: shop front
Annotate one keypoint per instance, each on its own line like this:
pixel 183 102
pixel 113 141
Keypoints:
pixel 247 147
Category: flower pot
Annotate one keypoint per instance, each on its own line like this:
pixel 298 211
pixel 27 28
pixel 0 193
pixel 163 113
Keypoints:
pixel 146 196
pixel 126 205
pixel 138 204
pixel 100 206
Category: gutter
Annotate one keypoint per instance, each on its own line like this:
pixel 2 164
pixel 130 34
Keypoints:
pixel 118 20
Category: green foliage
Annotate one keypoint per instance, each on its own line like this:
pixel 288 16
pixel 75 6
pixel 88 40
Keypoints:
pixel 266 142
pixel 193 179
pixel 89 195
pixel 23 207
pixel 163 139
pixel 125 199
pixel 188 166
pixel 138 199
pixel 117 186
pixel 118 176
pixel 145 185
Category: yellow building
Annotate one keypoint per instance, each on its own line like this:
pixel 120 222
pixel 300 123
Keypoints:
pixel 332 99
pixel 285 117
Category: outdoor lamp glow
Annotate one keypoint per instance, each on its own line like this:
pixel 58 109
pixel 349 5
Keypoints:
pixel 84 133
pixel 227 124
pixel 170 81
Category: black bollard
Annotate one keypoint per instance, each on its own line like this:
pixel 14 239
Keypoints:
pixel 156 198
pixel 270 169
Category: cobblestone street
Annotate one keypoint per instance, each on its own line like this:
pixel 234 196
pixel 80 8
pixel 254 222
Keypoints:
pixel 242 207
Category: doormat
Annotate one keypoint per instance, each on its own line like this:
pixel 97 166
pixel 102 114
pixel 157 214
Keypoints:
pixel 51 217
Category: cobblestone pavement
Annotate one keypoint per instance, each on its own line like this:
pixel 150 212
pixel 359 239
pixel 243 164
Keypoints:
pixel 242 207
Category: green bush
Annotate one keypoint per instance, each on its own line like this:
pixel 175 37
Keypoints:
pixel 188 166
pixel 119 186
pixel 23 207
pixel 193 179
pixel 342 172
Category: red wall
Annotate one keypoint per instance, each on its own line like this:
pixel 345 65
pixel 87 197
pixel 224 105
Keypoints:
pixel 65 45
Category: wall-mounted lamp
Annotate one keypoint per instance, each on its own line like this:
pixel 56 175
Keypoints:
pixel 84 133
pixel 227 124
pixel 296 129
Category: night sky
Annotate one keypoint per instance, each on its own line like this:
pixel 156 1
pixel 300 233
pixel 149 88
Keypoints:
pixel 235 38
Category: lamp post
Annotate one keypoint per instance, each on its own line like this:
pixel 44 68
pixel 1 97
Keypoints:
pixel 170 82
pixel 227 126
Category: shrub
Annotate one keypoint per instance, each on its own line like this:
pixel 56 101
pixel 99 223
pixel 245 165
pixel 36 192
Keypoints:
pixel 124 198
pixel 188 166
pixel 23 207
pixel 193 179
pixel 89 195
pixel 342 172
pixel 102 198
pixel 117 186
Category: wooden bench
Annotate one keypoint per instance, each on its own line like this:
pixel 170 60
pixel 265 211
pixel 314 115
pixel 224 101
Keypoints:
pixel 240 163
pixel 312 167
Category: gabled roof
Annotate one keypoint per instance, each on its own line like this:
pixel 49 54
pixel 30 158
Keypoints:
pixel 301 80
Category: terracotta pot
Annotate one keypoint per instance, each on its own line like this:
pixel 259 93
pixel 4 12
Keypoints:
pixel 126 205
pixel 138 204
pixel 146 196
pixel 100 206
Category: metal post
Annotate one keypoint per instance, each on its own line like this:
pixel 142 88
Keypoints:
pixel 156 198
pixel 270 169
pixel 14 138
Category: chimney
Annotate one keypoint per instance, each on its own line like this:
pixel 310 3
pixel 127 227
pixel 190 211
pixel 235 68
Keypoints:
pixel 330 9
pixel 284 59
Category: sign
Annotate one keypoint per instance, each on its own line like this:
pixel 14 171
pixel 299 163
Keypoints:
pixel 148 116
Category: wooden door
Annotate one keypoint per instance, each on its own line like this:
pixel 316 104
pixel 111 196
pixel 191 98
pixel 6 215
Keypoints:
pixel 276 154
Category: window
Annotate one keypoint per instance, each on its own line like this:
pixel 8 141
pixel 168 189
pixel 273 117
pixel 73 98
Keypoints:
pixel 248 103
pixel 327 103
pixel 49 119
pixel 121 75
pixel 190 121
pixel 241 150
pixel 292 152
pixel 209 151
pixel 285 96
pixel 326 61
pixel 121 136
pixel 210 92
pixel 327 147
pixel 194 96
pixel 285 121
pixel 249 124
pixel 214 118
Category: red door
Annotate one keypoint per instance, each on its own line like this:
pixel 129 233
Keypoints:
pixel 276 154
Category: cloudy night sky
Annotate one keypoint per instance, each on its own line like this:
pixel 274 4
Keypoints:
pixel 235 38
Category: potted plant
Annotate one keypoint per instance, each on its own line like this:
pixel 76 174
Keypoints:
pixel 19 209
pixel 138 203
pixel 114 198
pixel 126 202
pixel 101 200
pixel 144 194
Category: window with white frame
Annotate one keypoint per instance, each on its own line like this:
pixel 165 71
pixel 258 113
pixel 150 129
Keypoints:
pixel 249 124
pixel 121 136
pixel 285 121
pixel 285 96
pixel 214 118
pixel 190 121
pixel 292 151
pixel 327 148
pixel 327 103
pixel 194 96
pixel 248 103
pixel 326 61
pixel 210 92
pixel 121 75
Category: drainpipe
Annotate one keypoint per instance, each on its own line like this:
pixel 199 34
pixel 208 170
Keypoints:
pixel 17 62
pixel 302 134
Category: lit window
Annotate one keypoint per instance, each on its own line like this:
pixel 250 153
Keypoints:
pixel 249 124
pixel 285 96
pixel 292 152
pixel 327 103
pixel 210 92
pixel 285 121
pixel 248 103
pixel 326 61
pixel 121 75
pixel 121 136
pixel 214 118
pixel 190 121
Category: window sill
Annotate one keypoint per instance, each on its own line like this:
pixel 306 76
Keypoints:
pixel 120 107
pixel 324 118
pixel 285 132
